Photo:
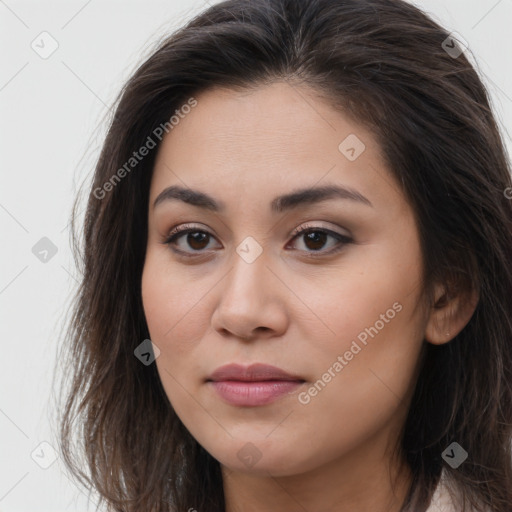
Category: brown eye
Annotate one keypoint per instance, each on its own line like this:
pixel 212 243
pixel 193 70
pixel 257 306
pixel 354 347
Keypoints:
pixel 196 239
pixel 193 238
pixel 316 238
pixel 190 241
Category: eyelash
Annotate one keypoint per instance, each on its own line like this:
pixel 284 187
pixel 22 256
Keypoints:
pixel 184 229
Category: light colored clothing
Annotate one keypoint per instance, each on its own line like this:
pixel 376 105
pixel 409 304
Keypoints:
pixel 445 498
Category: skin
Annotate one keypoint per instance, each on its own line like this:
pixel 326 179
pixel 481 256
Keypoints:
pixel 285 309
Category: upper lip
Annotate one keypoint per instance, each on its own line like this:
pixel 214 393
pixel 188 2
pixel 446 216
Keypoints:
pixel 254 372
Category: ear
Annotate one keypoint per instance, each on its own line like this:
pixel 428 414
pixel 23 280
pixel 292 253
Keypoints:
pixel 449 314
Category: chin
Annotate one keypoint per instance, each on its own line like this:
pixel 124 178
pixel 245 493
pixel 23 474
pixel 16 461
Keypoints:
pixel 252 458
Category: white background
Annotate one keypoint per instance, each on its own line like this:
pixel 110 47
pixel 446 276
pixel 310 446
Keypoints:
pixel 51 134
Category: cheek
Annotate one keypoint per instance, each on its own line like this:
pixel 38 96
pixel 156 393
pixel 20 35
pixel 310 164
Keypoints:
pixel 373 296
pixel 175 307
pixel 368 354
pixel 363 373
pixel 174 322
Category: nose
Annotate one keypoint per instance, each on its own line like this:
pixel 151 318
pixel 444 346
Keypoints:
pixel 251 302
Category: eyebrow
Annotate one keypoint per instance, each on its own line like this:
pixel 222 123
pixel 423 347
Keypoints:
pixel 279 204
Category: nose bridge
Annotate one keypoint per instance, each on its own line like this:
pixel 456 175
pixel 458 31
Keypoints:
pixel 248 277
pixel 247 302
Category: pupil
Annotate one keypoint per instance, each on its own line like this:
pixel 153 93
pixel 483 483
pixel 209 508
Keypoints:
pixel 314 235
pixel 196 237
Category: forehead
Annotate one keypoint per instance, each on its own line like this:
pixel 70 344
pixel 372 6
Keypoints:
pixel 265 140
pixel 279 114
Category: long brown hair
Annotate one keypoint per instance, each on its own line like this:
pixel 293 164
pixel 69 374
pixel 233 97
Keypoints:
pixel 389 66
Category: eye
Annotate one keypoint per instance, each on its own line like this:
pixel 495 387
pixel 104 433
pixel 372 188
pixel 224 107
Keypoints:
pixel 314 238
pixel 196 238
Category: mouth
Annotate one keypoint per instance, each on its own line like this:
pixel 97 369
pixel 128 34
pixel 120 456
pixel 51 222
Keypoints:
pixel 257 372
pixel 254 393
pixel 256 385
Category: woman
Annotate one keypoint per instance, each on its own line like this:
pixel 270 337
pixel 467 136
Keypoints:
pixel 297 287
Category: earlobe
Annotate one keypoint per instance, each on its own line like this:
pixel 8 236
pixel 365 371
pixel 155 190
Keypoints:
pixel 449 315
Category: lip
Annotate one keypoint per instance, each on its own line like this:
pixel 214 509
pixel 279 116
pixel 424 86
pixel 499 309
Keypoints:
pixel 255 385
pixel 256 372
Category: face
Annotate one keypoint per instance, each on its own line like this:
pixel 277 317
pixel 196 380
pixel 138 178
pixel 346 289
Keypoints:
pixel 334 306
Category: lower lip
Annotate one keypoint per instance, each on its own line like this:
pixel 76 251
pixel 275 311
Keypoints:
pixel 254 393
